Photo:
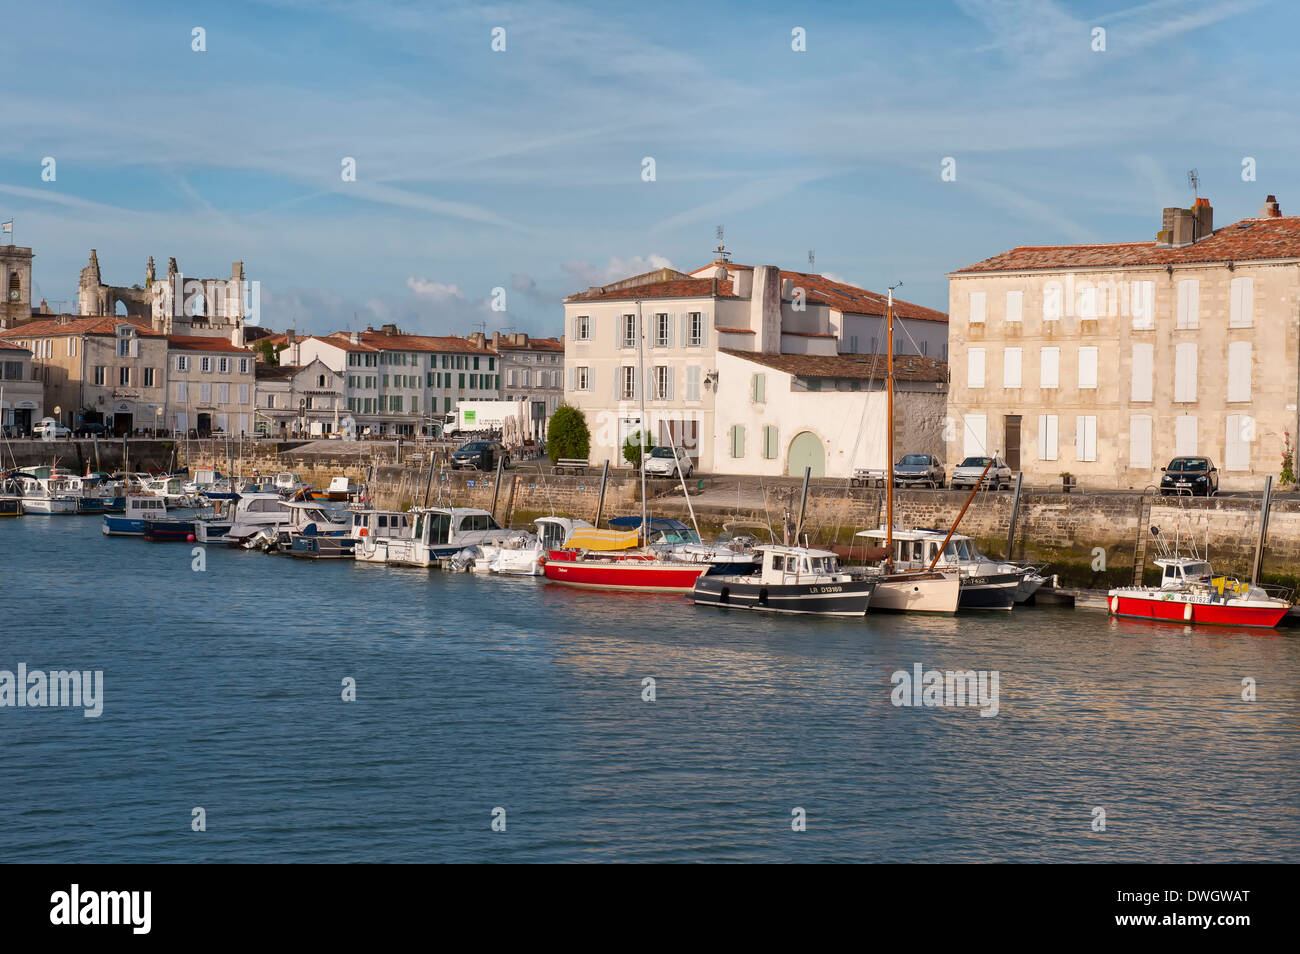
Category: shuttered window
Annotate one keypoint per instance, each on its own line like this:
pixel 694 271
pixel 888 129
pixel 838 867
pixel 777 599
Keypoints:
pixel 1185 435
pixel 737 440
pixel 1085 438
pixel 1185 373
pixel 975 368
pixel 975 435
pixel 770 449
pixel 1240 434
pixel 758 388
pixel 1139 441
pixel 1143 385
pixel 977 306
pixel 1015 305
pixel 1142 305
pixel 1011 367
pixel 1049 369
pixel 1047 432
pixel 1189 303
pixel 1239 359
pixel 1087 368
pixel 1241 303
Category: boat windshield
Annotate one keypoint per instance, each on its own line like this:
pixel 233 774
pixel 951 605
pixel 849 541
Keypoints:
pixel 957 550
pixel 823 565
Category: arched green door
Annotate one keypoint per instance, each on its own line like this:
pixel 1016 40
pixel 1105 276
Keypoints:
pixel 806 451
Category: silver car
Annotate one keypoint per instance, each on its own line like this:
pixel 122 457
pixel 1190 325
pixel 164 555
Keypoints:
pixel 660 462
pixel 918 470
pixel 968 472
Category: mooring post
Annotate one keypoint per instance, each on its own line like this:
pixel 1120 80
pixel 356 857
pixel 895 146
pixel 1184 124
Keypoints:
pixel 600 504
pixel 1015 512
pixel 1265 505
pixel 496 490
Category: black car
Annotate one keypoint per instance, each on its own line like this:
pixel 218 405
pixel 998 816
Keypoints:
pixel 479 455
pixel 1196 476
pixel 91 429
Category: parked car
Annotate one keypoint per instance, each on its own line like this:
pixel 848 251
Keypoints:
pixel 480 455
pixel 923 469
pixel 660 462
pixel 1196 476
pixel 89 428
pixel 48 427
pixel 968 472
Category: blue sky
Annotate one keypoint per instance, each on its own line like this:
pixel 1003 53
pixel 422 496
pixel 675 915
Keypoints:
pixel 522 169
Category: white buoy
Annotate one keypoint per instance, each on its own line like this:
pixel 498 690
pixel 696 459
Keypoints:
pixel 1114 604
pixel 1187 611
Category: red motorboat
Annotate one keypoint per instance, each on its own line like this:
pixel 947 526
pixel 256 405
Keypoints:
pixel 1189 592
pixel 630 572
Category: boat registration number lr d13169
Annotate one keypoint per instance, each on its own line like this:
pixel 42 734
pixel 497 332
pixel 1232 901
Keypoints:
pixel 828 589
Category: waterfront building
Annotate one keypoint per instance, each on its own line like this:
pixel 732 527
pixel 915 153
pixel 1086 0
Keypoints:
pixel 22 396
pixel 728 319
pixel 15 285
pixel 532 370
pixel 1105 361
pixel 210 387
pixel 300 399
pixel 403 384
pixel 106 369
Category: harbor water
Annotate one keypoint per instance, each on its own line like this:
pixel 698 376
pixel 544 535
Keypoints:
pixel 481 699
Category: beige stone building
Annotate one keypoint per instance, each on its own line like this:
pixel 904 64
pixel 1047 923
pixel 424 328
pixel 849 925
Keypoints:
pixel 1106 361
pixel 210 387
pixel 22 396
pixel 109 368
pixel 531 370
pixel 698 385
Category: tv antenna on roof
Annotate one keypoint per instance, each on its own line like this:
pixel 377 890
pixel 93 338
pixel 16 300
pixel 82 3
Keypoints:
pixel 1194 180
pixel 721 250
pixel 812 261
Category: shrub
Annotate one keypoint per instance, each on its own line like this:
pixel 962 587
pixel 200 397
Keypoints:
pixel 568 435
pixel 636 444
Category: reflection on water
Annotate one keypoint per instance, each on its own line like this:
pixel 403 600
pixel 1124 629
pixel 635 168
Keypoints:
pixel 222 690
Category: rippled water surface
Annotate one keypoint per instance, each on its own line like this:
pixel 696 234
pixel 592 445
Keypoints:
pixel 222 690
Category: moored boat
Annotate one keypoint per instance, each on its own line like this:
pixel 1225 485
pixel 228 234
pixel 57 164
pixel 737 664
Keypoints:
pixel 789 580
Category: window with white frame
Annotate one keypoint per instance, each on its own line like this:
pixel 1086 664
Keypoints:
pixel 629 331
pixel 205 365
pixel 243 365
pixel 124 376
pixel 223 365
pixel 582 379
pixel 663 377
pixel 582 327
pixel 148 377
pixel 662 329
pixel 627 390
pixel 696 336
pixel 182 362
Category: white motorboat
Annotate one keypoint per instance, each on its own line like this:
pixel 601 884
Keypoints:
pixel 48 494
pixel 437 533
pixel 521 555
pixel 985 583
pixel 253 513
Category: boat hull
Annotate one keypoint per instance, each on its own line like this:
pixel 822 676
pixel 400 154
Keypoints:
pixel 993 591
pixel 644 576
pixel 849 598
pixel 1172 608
pixel 919 593
pixel 50 507
pixel 161 531
pixel 322 547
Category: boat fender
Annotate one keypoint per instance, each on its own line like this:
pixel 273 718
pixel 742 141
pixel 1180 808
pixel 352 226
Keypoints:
pixel 365 531
pixel 1114 604
pixel 1187 611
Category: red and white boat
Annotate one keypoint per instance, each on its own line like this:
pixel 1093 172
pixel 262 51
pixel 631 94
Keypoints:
pixel 1189 592
pixel 606 560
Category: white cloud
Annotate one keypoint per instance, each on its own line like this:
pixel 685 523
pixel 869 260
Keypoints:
pixel 616 269
pixel 437 291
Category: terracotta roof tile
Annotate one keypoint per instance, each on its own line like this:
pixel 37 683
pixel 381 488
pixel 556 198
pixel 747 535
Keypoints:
pixel 679 288
pixel 202 343
pixel 379 341
pixel 1249 240
pixel 80 325
pixel 6 346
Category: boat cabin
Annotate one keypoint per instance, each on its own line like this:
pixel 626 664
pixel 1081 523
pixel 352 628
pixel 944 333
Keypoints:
pixel 1176 572
pixel 447 525
pixel 553 531
pixel 915 549
pixel 792 565
pixel 380 524
pixel 145 507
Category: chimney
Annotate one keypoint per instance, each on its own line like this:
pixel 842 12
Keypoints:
pixel 1204 218
pixel 496 341
pixel 1271 209
pixel 356 337
pixel 390 329
pixel 787 288
pixel 765 307
pixel 1177 228
pixel 743 282
pixel 477 339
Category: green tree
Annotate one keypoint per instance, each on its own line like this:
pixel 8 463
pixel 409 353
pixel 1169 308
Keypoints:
pixel 635 446
pixel 568 435
pixel 270 353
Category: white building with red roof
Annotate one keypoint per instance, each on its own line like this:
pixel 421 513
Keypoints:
pixel 1107 361
pixel 705 394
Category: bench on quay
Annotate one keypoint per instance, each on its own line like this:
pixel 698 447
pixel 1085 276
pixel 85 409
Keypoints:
pixel 571 465
pixel 868 477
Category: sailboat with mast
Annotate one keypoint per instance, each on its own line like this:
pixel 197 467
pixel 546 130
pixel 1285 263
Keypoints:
pixel 931 590
pixel 587 558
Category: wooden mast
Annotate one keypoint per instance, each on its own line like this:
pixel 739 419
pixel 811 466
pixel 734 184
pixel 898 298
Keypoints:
pixel 889 430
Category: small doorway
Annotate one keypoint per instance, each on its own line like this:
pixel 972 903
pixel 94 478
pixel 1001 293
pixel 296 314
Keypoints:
pixel 203 424
pixel 806 452
pixel 1012 441
pixel 122 423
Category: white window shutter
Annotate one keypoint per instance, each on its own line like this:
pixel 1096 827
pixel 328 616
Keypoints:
pixel 1189 303
pixel 1241 303
pixel 1085 438
pixel 1239 362
pixel 977 308
pixel 1015 305
pixel 1049 368
pixel 1047 436
pixel 669 395
pixel 1185 435
pixel 1011 364
pixel 1088 367
pixel 1139 441
pixel 1185 373
pixel 573 376
pixel 975 368
pixel 974 434
pixel 1143 385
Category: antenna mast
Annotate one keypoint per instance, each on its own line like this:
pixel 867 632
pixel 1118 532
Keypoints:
pixel 721 250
